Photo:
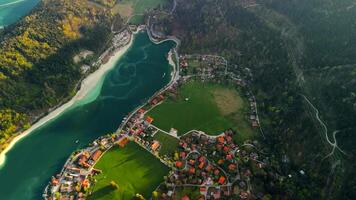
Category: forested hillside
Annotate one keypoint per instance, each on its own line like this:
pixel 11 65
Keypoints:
pixel 37 70
pixel 299 52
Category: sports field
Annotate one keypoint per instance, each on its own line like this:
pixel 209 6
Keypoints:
pixel 134 170
pixel 169 143
pixel 134 9
pixel 208 107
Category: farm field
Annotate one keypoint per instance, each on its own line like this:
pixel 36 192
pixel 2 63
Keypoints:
pixel 169 143
pixel 133 10
pixel 134 170
pixel 208 107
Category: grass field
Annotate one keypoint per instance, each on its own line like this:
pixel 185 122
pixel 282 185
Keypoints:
pixel 134 169
pixel 168 143
pixel 209 107
pixel 134 9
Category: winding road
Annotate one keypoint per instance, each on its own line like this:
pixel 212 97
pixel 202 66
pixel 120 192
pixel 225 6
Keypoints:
pixel 325 128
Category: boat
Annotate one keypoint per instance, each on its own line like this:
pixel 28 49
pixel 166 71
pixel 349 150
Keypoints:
pixel 77 141
pixel 163 75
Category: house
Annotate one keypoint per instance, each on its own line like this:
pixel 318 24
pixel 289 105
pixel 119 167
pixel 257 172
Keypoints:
pixel 155 145
pixel 86 183
pixel 216 194
pixel 54 181
pixel 185 197
pixel 201 159
pixel 149 119
pixel 191 161
pixel 243 195
pixel 96 155
pixel 202 190
pixel 192 170
pixel 221 180
pixel 229 156
pixel 216 171
pixel 221 139
pixel 83 160
pixel 201 165
pixel 141 111
pixel 122 141
pixel 179 164
pixel 208 168
pixel 232 167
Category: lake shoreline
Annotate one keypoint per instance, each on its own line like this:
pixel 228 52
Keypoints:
pixel 86 85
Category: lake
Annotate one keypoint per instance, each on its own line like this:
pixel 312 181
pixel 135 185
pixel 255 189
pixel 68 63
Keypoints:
pixel 13 10
pixel 135 77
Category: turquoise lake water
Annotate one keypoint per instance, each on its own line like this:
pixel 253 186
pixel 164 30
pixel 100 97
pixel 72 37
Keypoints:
pixel 32 161
pixel 13 10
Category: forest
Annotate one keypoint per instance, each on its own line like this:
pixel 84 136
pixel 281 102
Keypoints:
pixel 284 45
pixel 37 71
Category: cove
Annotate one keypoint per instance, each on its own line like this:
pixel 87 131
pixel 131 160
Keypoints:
pixel 133 80
pixel 13 10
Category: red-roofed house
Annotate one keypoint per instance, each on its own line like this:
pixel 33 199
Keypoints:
pixel 221 180
pixel 201 165
pixel 192 170
pixel 221 139
pixel 208 168
pixel 229 156
pixel 232 167
pixel 179 164
pixel 185 197
pixel 201 159
pixel 149 119
pixel 216 172
pixel 191 161
pixel 86 183
pixel 202 190
pixel 96 155
pixel 155 145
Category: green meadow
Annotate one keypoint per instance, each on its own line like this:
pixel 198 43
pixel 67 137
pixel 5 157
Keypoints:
pixel 135 9
pixel 134 169
pixel 208 107
pixel 169 143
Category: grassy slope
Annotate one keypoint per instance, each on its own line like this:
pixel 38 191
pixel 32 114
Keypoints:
pixel 132 168
pixel 200 112
pixel 136 8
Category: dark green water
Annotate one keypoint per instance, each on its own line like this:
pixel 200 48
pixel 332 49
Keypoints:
pixel 33 160
pixel 12 10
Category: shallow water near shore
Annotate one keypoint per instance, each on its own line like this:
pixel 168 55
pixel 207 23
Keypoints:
pixel 32 161
pixel 13 10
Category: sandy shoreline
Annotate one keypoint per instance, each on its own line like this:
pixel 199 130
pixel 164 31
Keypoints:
pixel 87 84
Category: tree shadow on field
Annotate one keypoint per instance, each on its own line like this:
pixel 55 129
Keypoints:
pixel 102 192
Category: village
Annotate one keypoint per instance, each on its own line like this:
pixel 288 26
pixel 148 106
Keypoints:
pixel 214 165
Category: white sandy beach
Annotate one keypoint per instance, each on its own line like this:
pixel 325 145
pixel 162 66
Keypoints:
pixel 87 85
